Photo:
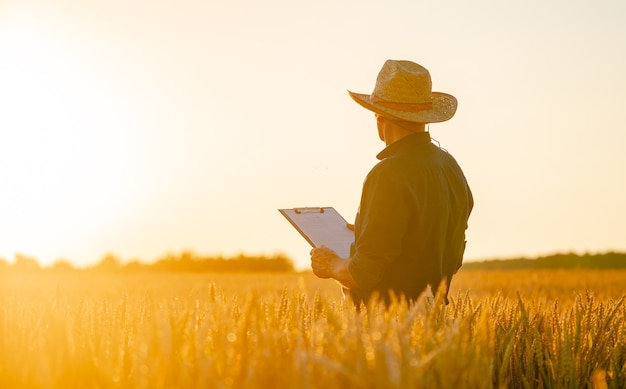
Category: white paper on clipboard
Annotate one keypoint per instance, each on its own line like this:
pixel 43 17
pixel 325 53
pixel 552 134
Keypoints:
pixel 322 226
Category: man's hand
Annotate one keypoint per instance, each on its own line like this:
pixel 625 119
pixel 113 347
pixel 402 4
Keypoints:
pixel 323 261
pixel 327 264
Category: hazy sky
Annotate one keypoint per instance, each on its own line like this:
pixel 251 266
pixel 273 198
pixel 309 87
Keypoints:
pixel 147 127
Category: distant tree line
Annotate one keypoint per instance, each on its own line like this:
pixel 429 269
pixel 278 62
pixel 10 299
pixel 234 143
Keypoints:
pixel 187 262
pixel 191 263
pixel 610 260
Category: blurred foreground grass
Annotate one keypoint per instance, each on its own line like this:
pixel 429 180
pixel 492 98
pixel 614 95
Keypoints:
pixel 513 329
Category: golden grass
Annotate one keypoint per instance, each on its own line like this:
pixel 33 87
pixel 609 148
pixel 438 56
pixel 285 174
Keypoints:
pixel 545 329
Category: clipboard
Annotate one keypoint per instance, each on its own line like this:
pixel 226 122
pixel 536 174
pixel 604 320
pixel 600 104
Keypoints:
pixel 322 226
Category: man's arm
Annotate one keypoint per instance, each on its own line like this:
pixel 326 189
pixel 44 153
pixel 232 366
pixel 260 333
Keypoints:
pixel 327 264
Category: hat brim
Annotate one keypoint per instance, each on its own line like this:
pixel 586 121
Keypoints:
pixel 443 108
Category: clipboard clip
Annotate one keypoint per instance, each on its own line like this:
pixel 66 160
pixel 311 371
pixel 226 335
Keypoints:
pixel 309 210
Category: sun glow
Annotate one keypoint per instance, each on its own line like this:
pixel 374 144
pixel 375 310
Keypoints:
pixel 62 142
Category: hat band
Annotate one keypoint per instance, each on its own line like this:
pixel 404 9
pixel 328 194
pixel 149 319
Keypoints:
pixel 404 107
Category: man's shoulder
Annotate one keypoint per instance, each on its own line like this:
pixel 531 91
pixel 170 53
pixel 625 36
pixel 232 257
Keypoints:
pixel 387 165
pixel 392 169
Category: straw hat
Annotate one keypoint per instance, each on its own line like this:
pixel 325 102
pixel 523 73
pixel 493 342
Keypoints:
pixel 404 91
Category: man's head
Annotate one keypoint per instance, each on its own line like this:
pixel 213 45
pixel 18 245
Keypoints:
pixel 403 92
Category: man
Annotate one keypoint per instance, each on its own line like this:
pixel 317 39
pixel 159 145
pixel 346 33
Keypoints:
pixel 415 203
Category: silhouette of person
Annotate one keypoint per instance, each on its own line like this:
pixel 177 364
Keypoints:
pixel 415 202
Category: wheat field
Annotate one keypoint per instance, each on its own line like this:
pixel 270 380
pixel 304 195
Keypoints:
pixel 516 329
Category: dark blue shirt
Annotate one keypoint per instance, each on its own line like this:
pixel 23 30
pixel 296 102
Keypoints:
pixel 410 228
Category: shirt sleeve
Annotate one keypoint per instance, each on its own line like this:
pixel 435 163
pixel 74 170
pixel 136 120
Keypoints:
pixel 381 226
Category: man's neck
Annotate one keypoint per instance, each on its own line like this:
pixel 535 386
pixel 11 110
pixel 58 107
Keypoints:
pixel 396 131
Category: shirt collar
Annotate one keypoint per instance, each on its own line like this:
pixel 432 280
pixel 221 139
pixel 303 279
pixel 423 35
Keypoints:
pixel 406 144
